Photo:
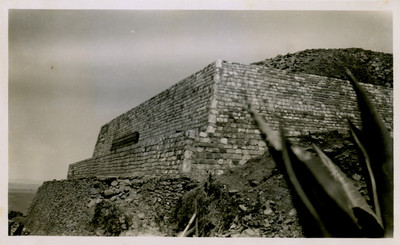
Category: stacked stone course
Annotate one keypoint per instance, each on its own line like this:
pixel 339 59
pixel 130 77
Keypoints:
pixel 67 207
pixel 202 123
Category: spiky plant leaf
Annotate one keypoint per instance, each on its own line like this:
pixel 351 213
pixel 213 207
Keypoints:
pixel 298 163
pixel 290 161
pixel 348 197
pixel 270 136
pixel 293 169
pixel 379 147
pixel 342 192
pixel 280 151
pixel 370 178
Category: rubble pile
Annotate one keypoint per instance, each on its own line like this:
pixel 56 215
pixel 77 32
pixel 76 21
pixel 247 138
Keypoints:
pixel 106 206
pixel 258 199
pixel 16 223
pixel 369 66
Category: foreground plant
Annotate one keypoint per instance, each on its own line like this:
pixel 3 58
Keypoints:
pixel 323 191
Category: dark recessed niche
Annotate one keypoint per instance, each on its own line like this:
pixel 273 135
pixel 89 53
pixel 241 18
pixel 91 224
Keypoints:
pixel 125 140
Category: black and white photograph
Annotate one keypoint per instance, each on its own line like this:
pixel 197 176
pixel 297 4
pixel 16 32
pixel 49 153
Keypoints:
pixel 184 120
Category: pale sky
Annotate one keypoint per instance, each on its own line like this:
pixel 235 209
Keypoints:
pixel 72 71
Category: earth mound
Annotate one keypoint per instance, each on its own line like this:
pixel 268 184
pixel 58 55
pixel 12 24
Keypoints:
pixel 368 66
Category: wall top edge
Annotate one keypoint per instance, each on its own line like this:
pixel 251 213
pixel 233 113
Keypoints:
pixel 291 74
pixel 219 63
pixel 210 65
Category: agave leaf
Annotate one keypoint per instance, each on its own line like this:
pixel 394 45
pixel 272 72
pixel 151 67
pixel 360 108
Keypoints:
pixel 327 177
pixel 271 136
pixel 342 192
pixel 348 192
pixel 379 147
pixel 280 151
pixel 289 160
pixel 324 196
pixel 355 133
pixel 296 163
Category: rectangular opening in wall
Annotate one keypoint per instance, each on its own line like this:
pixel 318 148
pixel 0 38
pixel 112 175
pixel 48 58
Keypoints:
pixel 125 140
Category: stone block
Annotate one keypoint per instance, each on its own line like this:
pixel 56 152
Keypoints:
pixel 191 134
pixel 210 129
pixel 212 119
pixel 187 165
pixel 188 154
pixel 203 134
pixel 205 140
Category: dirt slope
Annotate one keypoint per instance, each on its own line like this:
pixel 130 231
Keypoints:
pixel 253 200
pixel 369 66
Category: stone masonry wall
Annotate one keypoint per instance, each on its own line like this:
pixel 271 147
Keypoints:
pixel 202 123
pixel 304 103
pixel 67 207
pixel 166 124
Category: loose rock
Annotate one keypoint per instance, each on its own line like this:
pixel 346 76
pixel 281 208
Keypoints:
pixel 109 193
pixel 243 208
pixel 250 232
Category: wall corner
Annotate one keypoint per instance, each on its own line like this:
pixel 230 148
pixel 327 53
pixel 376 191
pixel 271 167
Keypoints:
pixel 218 63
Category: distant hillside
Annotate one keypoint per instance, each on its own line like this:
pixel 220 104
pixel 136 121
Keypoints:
pixel 21 187
pixel 368 66
pixel 20 195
